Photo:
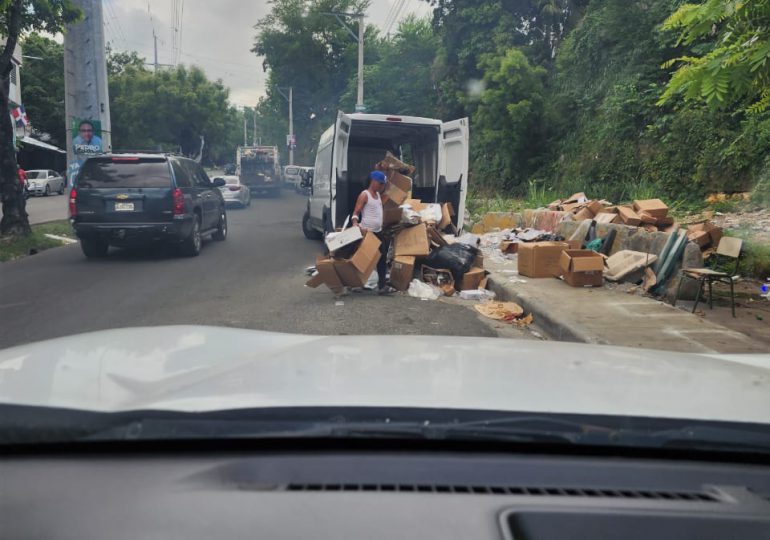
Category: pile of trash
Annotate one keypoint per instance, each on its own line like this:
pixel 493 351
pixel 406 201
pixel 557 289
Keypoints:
pixel 428 259
pixel 650 214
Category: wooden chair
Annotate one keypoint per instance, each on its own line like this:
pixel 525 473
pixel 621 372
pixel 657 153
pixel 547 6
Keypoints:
pixel 729 248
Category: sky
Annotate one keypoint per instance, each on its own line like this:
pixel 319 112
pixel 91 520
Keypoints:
pixel 216 35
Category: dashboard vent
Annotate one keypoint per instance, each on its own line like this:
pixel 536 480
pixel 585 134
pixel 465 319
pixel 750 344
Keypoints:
pixel 507 490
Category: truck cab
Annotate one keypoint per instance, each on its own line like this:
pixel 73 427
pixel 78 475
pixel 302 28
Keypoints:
pixel 259 168
pixel 349 150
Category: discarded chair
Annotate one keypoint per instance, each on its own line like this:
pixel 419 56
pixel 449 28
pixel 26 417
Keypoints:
pixel 729 248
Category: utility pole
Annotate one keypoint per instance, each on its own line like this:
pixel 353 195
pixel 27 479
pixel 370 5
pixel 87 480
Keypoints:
pixel 290 138
pixel 245 132
pixel 291 125
pixel 360 102
pixel 86 94
pixel 155 40
pixel 255 127
pixel 360 107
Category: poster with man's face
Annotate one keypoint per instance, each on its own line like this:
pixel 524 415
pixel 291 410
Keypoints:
pixel 86 138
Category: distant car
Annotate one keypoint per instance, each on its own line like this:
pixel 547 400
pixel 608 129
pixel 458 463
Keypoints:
pixel 293 176
pixel 129 199
pixel 230 168
pixel 44 182
pixel 234 192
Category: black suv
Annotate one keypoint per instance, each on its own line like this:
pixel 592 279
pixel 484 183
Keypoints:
pixel 127 199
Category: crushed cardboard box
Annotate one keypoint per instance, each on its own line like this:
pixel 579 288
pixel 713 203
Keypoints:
pixel 625 262
pixel 337 273
pixel 412 241
pixel 402 272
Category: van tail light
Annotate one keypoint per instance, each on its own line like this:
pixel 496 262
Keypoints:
pixel 73 202
pixel 178 202
pixel 235 188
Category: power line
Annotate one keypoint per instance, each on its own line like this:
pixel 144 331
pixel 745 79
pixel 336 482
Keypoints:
pixel 400 8
pixel 390 12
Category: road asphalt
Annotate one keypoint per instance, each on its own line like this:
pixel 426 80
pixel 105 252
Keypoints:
pixel 255 280
pixel 44 209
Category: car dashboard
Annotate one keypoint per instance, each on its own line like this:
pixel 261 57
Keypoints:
pixel 377 494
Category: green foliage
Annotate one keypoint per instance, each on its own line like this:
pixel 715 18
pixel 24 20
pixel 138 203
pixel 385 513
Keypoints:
pixel 171 110
pixel 735 71
pixel 43 86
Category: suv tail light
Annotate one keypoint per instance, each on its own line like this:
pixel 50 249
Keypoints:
pixel 73 202
pixel 178 202
pixel 235 188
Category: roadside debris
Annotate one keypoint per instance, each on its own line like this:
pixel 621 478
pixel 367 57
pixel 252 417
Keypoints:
pixel 427 257
pixel 505 311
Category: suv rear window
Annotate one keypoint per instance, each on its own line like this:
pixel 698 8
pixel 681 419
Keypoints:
pixel 124 173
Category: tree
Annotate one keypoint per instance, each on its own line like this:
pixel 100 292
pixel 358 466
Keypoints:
pixel 43 84
pixel 17 17
pixel 734 70
pixel 171 110
pixel 401 81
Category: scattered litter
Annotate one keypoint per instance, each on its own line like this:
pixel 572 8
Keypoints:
pixel 477 294
pixel 516 280
pixel 500 311
pixel 418 289
pixel 524 321
pixel 511 272
pixel 63 239
pixel 537 334
pixel 311 271
pixel 339 303
pixel 759 317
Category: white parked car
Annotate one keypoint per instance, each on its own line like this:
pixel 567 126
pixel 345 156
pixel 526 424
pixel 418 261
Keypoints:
pixel 234 192
pixel 44 182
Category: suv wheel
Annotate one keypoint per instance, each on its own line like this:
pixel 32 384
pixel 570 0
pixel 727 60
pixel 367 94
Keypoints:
pixel 93 248
pixel 309 232
pixel 191 246
pixel 221 233
pixel 47 190
pixel 61 188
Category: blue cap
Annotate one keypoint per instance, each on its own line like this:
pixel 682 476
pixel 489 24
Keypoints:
pixel 378 176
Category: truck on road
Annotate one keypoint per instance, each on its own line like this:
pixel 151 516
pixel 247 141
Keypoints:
pixel 259 168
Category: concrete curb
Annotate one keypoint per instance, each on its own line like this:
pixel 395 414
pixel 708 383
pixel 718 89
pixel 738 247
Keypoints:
pixel 556 327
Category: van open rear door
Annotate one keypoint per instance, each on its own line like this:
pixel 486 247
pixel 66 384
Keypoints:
pixel 452 183
pixel 339 179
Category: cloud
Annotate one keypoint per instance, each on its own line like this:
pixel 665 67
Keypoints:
pixel 216 35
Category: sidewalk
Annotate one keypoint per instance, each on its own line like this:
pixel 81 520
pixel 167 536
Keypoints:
pixel 611 316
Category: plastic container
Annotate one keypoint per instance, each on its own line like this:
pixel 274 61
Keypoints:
pixel 477 294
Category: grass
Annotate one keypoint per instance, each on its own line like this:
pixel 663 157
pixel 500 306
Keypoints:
pixel 14 247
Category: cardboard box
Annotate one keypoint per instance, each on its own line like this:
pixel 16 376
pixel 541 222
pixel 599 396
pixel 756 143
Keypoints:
pixel 507 246
pixel 392 163
pixel 412 241
pixel 351 272
pixel 628 216
pixel 665 221
pixel 540 259
pixel 391 214
pixel 582 268
pixel 604 217
pixel 472 279
pixel 446 216
pixel 654 207
pixel 595 207
pixel 337 240
pixel 478 262
pixel 416 204
pixel 577 198
pixel 583 214
pixel 398 187
pixel 569 207
pixel 702 238
pixel 402 272
pixel 647 218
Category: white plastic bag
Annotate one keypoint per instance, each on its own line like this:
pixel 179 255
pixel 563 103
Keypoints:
pixel 477 294
pixel 431 213
pixel 418 289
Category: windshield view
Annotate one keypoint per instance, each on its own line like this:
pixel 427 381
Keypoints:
pixel 540 224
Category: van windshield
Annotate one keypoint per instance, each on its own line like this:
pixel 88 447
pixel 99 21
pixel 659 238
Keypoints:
pixel 129 173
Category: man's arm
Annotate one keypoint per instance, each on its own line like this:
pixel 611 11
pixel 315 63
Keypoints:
pixel 360 203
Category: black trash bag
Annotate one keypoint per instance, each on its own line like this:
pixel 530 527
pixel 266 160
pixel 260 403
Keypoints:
pixel 457 258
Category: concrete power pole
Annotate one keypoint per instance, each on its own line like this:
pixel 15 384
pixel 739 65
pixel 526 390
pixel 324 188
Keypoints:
pixel 360 101
pixel 85 74
pixel 155 42
pixel 255 127
pixel 291 125
pixel 245 132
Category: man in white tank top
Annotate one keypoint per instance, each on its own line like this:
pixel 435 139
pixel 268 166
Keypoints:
pixel 368 214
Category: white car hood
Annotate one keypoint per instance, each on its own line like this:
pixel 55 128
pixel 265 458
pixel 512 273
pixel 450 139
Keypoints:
pixel 194 368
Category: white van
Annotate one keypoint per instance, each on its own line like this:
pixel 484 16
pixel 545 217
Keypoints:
pixel 348 151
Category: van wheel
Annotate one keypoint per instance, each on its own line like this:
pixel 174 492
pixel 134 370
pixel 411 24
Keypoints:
pixel 191 246
pixel 221 233
pixel 93 248
pixel 309 232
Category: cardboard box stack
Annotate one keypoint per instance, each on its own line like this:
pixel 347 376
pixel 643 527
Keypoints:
pixel 705 234
pixel 416 229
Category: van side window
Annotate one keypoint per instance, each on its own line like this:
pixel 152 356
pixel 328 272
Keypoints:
pixel 323 166
pixel 182 178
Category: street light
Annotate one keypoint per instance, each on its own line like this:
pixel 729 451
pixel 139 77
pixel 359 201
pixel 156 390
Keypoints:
pixel 360 107
pixel 290 99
